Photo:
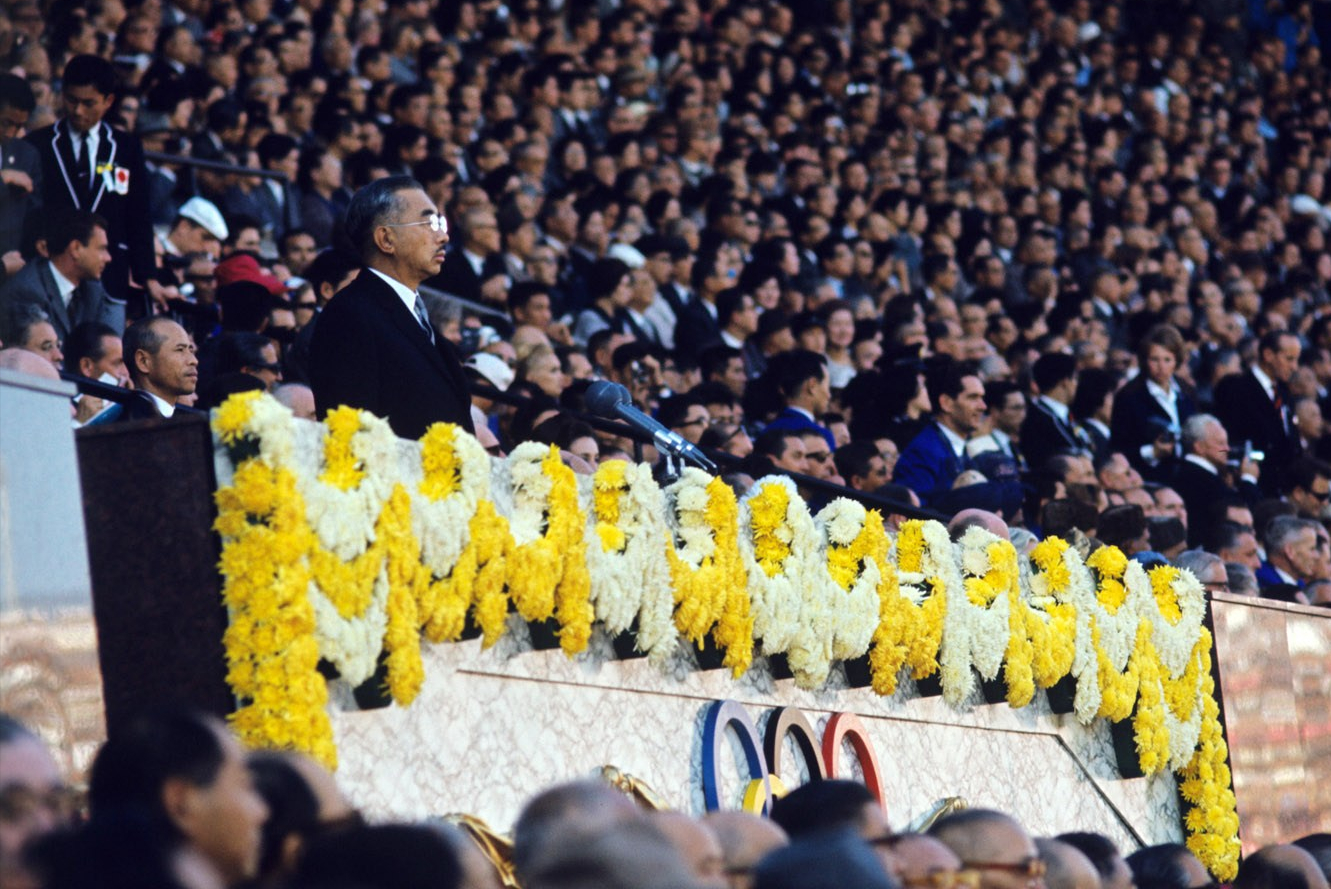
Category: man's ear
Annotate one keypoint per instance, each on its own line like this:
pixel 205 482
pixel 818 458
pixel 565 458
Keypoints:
pixel 178 802
pixel 383 239
pixel 142 361
pixel 85 366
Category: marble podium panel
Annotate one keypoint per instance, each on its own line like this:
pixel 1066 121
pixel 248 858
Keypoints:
pixel 492 728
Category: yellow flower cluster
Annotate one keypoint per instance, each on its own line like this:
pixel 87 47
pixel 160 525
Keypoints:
pixel 272 657
pixel 1212 819
pixel 608 486
pixel 341 468
pixel 714 596
pixel 771 534
pixel 1120 624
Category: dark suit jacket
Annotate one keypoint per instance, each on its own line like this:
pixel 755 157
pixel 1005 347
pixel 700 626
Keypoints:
pixel 794 421
pixel 1044 435
pixel 370 352
pixel 1202 494
pixel 129 225
pixel 16 205
pixel 1241 404
pixel 1135 412
pixel 34 285
pixel 928 465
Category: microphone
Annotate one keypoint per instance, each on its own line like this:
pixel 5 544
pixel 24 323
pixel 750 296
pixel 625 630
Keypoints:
pixel 611 400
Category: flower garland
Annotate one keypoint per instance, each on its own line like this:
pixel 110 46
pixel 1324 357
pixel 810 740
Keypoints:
pixel 706 569
pixel 341 542
pixel 925 564
pixel 630 574
pixel 272 657
pixel 1212 820
pixel 853 537
pixel 547 567
pixel 455 482
pixel 978 626
pixel 790 588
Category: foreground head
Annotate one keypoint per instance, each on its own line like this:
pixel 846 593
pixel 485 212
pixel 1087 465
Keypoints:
pixel 33 799
pixel 827 860
pixel 696 845
pixel 745 839
pixel 387 856
pixel 1280 867
pixel 186 774
pixel 575 807
pixel 1067 867
pixel 994 844
pixel 1167 866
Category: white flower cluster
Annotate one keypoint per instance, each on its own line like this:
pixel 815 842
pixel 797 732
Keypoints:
pixel 635 583
pixel 854 611
pixel 973 635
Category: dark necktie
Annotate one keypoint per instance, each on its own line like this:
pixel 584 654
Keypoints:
pixel 424 318
pixel 81 164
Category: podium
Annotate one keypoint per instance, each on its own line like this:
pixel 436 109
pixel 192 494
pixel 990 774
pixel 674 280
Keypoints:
pixel 148 508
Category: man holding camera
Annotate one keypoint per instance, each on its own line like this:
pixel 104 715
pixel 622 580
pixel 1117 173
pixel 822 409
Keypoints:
pixel 1204 478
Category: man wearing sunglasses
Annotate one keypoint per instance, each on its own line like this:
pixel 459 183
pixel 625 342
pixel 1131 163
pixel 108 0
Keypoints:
pixel 375 347
pixel 995 845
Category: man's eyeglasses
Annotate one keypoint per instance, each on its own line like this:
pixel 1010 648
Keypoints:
pixel 1030 868
pixel 20 804
pixel 436 222
pixel 944 879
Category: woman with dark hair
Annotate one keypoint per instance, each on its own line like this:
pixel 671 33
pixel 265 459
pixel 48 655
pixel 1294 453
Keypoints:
pixel 1150 411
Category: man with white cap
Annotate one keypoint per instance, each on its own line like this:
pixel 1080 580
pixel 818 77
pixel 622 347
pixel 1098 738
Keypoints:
pixel 198 228
pixel 488 370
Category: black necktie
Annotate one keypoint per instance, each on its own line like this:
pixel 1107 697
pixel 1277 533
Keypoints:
pixel 81 164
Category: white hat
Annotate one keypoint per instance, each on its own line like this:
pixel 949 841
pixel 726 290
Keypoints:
pixel 205 213
pixel 1306 205
pixel 493 368
pixel 627 254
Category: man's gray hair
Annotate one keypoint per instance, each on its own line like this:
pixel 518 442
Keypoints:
pixel 1242 580
pixel 1284 529
pixel 372 206
pixel 1197 561
pixel 1194 430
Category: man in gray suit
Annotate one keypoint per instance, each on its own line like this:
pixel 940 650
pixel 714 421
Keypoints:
pixel 67 285
pixel 20 171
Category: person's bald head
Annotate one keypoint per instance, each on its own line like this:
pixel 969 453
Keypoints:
pixel 696 845
pixel 1067 867
pixel 571 808
pixel 745 839
pixel 981 518
pixel 1280 867
pixel 27 362
pixel 919 857
pixel 981 837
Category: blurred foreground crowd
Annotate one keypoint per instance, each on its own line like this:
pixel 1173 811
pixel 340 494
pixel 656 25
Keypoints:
pixel 173 802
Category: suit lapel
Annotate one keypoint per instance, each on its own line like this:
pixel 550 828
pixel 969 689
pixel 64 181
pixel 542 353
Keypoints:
pixel 54 303
pixel 401 318
pixel 106 158
pixel 62 147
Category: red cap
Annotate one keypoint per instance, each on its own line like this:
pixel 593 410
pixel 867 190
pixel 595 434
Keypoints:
pixel 243 267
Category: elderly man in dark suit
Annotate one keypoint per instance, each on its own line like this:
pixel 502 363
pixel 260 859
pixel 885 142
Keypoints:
pixel 67 285
pixel 20 171
pixel 374 347
pixel 1199 481
pixel 1256 408
pixel 89 165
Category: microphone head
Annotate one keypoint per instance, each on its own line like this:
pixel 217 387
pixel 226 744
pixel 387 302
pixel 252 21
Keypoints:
pixel 603 396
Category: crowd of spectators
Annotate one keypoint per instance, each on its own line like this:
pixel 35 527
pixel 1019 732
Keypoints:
pixel 174 802
pixel 1065 262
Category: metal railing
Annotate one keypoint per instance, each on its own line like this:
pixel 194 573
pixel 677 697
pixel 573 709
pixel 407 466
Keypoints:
pixel 159 157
